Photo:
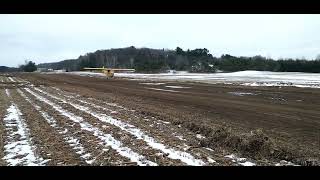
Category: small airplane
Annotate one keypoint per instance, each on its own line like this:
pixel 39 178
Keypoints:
pixel 108 71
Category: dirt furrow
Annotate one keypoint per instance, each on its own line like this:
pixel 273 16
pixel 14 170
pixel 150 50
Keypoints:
pixel 106 140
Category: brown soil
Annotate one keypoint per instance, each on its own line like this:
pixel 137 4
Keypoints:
pixel 272 125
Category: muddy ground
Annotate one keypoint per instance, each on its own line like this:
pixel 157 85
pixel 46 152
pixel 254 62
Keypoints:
pixel 266 125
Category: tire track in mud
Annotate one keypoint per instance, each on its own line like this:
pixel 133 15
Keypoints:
pixel 49 142
pixel 168 134
pixel 171 153
pixel 19 148
pixel 105 139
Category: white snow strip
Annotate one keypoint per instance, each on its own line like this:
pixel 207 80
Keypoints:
pixel 181 138
pixel 199 136
pixel 211 160
pixel 247 163
pixel 163 90
pixel 72 141
pixel 241 93
pixel 19 149
pixel 12 80
pixel 164 122
pixel 55 88
pixel 173 154
pixel 177 87
pixel 231 156
pixel 286 163
pixel 254 78
pixel 107 139
pixel 209 149
pixel 7 92
pixel 234 158
pixel 152 83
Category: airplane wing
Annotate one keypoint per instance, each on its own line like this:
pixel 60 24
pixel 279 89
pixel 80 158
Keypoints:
pixel 108 69
pixel 123 69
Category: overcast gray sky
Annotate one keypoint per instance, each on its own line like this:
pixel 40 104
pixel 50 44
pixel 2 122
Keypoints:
pixel 50 38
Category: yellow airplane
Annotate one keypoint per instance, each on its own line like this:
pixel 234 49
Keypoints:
pixel 108 71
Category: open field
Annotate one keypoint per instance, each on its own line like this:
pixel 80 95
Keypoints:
pixel 61 119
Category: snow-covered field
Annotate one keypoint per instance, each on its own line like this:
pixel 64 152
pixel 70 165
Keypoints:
pixel 246 78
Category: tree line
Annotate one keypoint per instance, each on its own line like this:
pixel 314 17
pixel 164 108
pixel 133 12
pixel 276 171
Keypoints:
pixel 197 60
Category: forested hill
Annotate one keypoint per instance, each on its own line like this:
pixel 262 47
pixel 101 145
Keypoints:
pixel 197 60
pixel 8 69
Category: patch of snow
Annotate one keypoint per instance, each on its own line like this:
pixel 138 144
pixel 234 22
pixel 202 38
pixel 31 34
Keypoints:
pixel 181 138
pixel 115 105
pixel 173 154
pixel 80 73
pixel 199 136
pixel 7 92
pixel 55 88
pixel 152 83
pixel 164 122
pixel 277 98
pixel 240 161
pixel 249 78
pixel 12 80
pixel 286 163
pixel 247 163
pixel 209 149
pixel 163 90
pixel 231 156
pixel 241 93
pixel 72 141
pixel 177 87
pixel 19 151
pixel 107 139
pixel 211 160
